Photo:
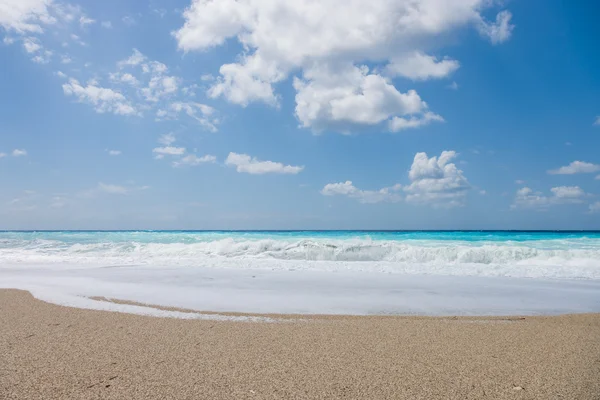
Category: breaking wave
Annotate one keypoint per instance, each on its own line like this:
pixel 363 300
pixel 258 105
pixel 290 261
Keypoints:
pixel 578 258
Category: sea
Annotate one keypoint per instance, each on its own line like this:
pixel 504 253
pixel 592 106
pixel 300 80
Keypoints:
pixel 309 272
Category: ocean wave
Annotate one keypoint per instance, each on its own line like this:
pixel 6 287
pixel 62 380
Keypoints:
pixel 425 253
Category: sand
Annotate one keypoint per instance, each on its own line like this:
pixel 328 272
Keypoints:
pixel 54 352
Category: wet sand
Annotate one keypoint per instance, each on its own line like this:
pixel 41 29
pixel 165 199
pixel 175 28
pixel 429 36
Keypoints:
pixel 54 352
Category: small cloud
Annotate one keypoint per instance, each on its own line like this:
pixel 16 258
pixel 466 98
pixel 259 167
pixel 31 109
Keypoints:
pixel 251 165
pixel 482 192
pixel 453 86
pixel 389 194
pixel 2 155
pixel 193 160
pixel 114 152
pixel 576 167
pixel 106 24
pixel 108 188
pixel 568 144
pixel 60 74
pixel 166 139
pixel 520 182
pixel 65 60
pixel 169 151
pixel 595 207
pixel 78 40
pixel 597 121
pixel 84 21
pixel 128 20
pixel 19 152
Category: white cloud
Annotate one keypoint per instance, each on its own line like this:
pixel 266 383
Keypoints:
pixel 453 86
pixel 2 155
pixel 169 150
pixel 576 167
pixel 419 66
pixel 597 121
pixel 251 165
pixel 103 99
pixel 106 24
pixel 520 182
pixel 203 114
pixel 114 152
pixel 364 196
pixel 78 40
pixel 25 16
pixel 397 123
pixel 19 152
pixel 160 86
pixel 84 21
pixel 595 207
pixel 136 58
pixel 338 100
pixel 498 31
pixel 527 198
pixel 65 60
pixel 118 189
pixel 167 139
pixel 193 160
pixel 124 78
pixel 43 57
pixel 567 192
pixel 128 20
pixel 327 47
pixel 436 181
pixel 31 45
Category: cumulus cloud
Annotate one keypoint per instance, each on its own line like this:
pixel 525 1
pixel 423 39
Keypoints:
pixel 436 181
pixel 102 99
pixel 363 196
pixel 419 66
pixel 26 16
pixel 327 99
pixel 527 198
pixel 576 167
pixel 251 165
pixel 330 48
pixel 114 152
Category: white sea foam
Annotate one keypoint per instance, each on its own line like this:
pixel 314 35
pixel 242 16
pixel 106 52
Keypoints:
pixel 546 259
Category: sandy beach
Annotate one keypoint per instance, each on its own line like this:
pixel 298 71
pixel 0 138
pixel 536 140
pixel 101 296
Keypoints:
pixel 55 352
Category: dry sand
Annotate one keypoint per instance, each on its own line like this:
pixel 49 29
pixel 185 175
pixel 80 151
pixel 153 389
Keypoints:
pixel 53 352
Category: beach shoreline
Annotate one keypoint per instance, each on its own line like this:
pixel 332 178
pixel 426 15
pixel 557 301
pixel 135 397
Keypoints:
pixel 56 352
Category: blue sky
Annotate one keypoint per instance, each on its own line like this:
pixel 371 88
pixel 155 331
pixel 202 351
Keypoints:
pixel 260 114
